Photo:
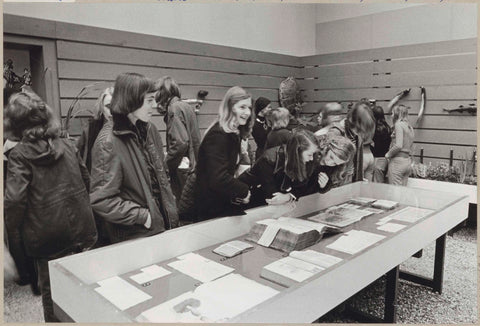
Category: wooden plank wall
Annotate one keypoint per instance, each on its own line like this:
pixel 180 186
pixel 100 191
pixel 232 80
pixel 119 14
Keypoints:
pixel 95 56
pixel 448 71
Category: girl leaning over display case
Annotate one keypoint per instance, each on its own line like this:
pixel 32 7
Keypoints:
pixel 130 188
pixel 288 171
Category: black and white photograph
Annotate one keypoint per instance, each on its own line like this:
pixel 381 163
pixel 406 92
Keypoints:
pixel 182 161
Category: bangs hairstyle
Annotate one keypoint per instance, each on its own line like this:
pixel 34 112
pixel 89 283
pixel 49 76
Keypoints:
pixel 129 92
pixel 400 113
pixel 99 107
pixel 295 168
pixel 360 118
pixel 28 117
pixel 167 89
pixel 225 112
pixel 278 118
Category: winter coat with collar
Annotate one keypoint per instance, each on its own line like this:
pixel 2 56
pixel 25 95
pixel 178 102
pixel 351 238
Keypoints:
pixel 46 199
pixel 121 186
pixel 269 172
pixel 216 187
pixel 183 135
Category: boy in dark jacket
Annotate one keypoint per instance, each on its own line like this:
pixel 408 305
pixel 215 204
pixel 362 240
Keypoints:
pixel 130 188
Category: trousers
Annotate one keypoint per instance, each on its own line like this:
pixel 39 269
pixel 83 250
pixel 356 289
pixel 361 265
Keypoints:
pixel 380 169
pixel 399 170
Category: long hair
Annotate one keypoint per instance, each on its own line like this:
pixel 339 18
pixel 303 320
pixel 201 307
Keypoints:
pixel 226 116
pixel 29 118
pixel 167 89
pixel 278 118
pixel 381 125
pixel 360 119
pixel 342 148
pixel 99 106
pixel 129 92
pixel 295 168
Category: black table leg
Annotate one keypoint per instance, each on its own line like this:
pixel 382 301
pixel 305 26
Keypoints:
pixel 391 290
pixel 390 312
pixel 436 283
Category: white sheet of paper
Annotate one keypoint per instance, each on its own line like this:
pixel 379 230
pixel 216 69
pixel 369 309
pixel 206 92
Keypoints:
pixel 391 227
pixel 315 257
pixel 294 269
pixel 268 235
pixel 410 214
pixel 219 300
pixel 149 273
pixel 200 268
pixel 121 293
pixel 355 241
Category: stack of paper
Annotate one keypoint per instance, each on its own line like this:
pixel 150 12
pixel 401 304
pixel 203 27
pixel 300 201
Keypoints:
pixel 232 248
pixel 149 273
pixel 355 241
pixel 200 268
pixel 215 301
pixel 391 227
pixel 286 233
pixel 384 204
pixel 121 293
pixel 288 271
pixel 362 201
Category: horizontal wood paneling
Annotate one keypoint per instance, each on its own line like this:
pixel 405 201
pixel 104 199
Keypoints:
pixel 33 27
pixel 71 88
pixel 386 94
pixel 432 107
pixel 348 69
pixel 446 137
pixel 458 61
pixel 406 79
pixel 73 32
pixel 104 71
pixel 115 54
pixel 405 51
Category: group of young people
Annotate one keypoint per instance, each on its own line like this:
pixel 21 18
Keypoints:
pixel 115 183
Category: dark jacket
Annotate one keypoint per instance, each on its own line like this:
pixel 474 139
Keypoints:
pixel 183 135
pixel 278 137
pixel 259 133
pixel 121 185
pixel 46 199
pixel 87 139
pixel 269 172
pixel 216 187
pixel 354 167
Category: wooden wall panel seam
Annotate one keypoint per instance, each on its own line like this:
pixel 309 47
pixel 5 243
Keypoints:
pixel 68 50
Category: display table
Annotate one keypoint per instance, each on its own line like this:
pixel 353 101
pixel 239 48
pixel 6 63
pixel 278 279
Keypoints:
pixel 74 278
